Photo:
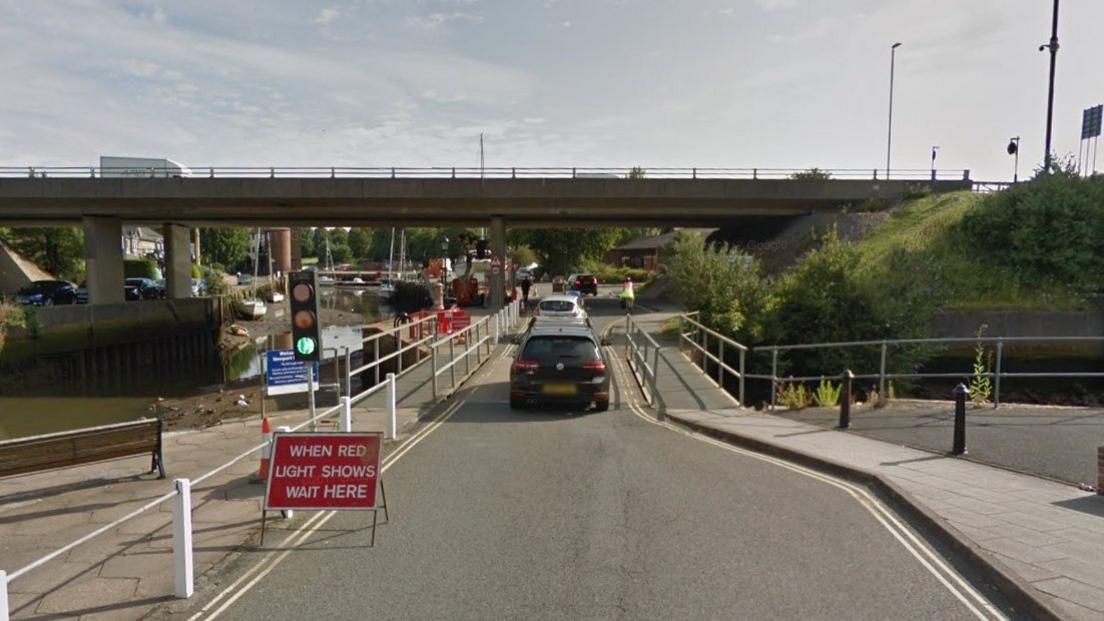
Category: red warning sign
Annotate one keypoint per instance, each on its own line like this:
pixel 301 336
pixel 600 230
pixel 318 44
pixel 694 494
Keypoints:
pixel 324 471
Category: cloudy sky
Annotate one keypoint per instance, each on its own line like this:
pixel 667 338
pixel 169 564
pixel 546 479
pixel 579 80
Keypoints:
pixel 768 83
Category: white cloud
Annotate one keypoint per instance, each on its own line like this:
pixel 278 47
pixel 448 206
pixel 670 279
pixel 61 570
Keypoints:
pixel 327 15
pixel 433 21
pixel 773 5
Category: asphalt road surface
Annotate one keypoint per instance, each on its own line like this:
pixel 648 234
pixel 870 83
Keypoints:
pixel 501 514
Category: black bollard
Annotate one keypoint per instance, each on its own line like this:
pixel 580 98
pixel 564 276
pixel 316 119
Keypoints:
pixel 960 393
pixel 845 399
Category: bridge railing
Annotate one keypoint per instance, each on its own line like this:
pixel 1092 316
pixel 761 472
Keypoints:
pixel 475 172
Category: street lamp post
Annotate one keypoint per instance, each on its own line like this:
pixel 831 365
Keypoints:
pixel 1053 47
pixel 1014 150
pixel 889 136
pixel 934 149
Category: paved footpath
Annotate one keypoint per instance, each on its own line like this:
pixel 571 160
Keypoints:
pixel 1045 535
pixel 124 572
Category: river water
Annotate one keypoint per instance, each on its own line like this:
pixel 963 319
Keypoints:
pixel 130 398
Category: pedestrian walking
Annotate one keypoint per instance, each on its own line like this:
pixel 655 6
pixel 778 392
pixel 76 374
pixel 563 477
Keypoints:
pixel 526 284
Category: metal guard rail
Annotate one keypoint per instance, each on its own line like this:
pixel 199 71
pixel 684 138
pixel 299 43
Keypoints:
pixel 996 374
pixel 689 337
pixel 472 172
pixel 636 354
pixel 508 317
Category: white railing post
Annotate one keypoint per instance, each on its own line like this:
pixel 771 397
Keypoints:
pixel 346 414
pixel 3 595
pixel 497 328
pixel 183 581
pixel 392 415
pixel 433 367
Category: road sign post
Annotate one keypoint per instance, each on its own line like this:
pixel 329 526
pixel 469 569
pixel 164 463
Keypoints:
pixel 325 471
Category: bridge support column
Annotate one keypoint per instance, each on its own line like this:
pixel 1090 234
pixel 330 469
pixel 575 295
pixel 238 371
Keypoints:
pixel 103 259
pixel 178 261
pixel 498 251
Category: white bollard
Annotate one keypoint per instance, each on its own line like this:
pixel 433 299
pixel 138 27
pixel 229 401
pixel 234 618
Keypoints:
pixel 3 595
pixel 183 581
pixel 346 414
pixel 392 414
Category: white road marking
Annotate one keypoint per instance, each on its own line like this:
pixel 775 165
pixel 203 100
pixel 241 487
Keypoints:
pixel 270 561
pixel 928 558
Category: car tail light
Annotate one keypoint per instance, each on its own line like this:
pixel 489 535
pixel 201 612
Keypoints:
pixel 578 281
pixel 526 366
pixel 595 365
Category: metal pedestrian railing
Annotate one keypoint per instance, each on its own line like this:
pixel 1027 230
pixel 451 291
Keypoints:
pixel 478 339
pixel 886 349
pixel 472 172
pixel 642 354
pixel 697 336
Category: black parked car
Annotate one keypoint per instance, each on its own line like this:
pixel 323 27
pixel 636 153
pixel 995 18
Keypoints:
pixel 142 289
pixel 47 293
pixel 559 364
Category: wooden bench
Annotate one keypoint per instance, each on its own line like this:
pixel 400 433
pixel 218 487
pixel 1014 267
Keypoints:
pixel 83 446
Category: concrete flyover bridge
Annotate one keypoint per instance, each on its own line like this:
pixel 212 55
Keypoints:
pixel 101 199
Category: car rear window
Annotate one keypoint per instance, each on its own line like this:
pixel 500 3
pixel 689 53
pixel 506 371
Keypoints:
pixel 587 278
pixel 557 306
pixel 553 349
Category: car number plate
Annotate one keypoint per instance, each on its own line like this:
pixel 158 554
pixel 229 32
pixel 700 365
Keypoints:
pixel 559 389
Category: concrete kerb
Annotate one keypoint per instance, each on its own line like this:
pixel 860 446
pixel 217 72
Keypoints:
pixel 1011 585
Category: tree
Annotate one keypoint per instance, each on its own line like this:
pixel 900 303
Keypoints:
pixel 318 240
pixel 226 246
pixel 58 250
pixel 306 243
pixel 341 253
pixel 562 250
pixel 523 255
pixel 722 282
pixel 360 242
pixel 338 236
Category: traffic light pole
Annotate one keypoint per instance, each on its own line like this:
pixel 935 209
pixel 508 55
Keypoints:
pixel 310 393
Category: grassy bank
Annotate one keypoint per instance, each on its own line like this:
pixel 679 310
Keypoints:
pixel 929 227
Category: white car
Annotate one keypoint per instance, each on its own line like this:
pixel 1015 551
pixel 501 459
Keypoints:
pixel 558 306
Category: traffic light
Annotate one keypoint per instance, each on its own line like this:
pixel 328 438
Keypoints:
pixel 306 331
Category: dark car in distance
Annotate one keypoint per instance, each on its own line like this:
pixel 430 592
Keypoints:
pixel 142 289
pixel 47 293
pixel 583 283
pixel 559 364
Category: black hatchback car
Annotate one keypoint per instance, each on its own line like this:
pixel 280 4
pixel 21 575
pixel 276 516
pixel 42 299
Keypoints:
pixel 47 293
pixel 583 283
pixel 559 364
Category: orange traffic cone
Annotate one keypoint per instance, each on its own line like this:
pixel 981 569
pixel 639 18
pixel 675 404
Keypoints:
pixel 266 452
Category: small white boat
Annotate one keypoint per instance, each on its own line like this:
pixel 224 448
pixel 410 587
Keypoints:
pixel 386 291
pixel 251 309
pixel 275 297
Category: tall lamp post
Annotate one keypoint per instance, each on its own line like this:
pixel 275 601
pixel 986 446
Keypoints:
pixel 889 136
pixel 1014 150
pixel 1053 47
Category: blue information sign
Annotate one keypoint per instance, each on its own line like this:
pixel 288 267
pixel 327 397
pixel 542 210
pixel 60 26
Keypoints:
pixel 284 374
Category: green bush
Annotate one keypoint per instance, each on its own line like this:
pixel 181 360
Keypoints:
pixel 611 275
pixel 827 394
pixel 793 395
pixel 812 174
pixel 141 268
pixel 213 282
pixel 197 272
pixel 1050 228
pixel 722 282
pixel 825 299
